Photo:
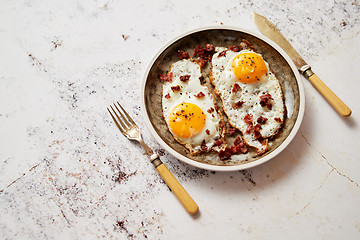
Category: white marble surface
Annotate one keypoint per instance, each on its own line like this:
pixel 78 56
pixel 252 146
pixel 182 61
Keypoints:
pixel 67 173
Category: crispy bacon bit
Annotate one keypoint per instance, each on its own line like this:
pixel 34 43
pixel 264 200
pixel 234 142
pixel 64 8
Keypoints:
pixel 238 146
pixel 257 128
pixel 218 142
pixel 238 104
pixel 265 100
pixel 249 128
pixel 166 77
pixel 210 110
pixel 205 54
pixel 207 131
pixel 222 54
pixel 236 88
pixel 277 119
pixel 261 120
pixel 185 78
pixel 224 155
pixel 216 107
pixel 175 88
pixel 237 141
pixel 243 148
pixel 183 55
pixel 235 48
pixel 248 118
pixel 200 95
pixel 258 136
pixel 210 48
pixel 203 146
pixel 231 131
pixel 167 96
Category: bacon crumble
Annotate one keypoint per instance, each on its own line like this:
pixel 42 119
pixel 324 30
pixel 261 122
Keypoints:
pixel 203 146
pixel 248 118
pixel 184 78
pixel 231 131
pixel 200 95
pixel 167 96
pixel 238 104
pixel 183 55
pixel 175 88
pixel 166 77
pixel 265 100
pixel 210 110
pixel 236 88
pixel 261 120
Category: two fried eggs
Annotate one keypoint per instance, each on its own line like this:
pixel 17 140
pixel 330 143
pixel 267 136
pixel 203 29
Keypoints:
pixel 251 98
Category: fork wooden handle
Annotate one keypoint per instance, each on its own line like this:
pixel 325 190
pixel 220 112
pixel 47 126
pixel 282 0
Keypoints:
pixel 181 194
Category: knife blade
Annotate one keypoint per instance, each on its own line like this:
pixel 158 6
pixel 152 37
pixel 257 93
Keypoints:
pixel 271 31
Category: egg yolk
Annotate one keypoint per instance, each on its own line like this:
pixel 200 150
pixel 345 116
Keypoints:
pixel 248 67
pixel 186 120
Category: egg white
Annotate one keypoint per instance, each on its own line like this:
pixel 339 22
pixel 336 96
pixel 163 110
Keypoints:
pixel 214 120
pixel 223 79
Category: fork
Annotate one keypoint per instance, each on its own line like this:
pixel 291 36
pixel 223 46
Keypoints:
pixel 130 130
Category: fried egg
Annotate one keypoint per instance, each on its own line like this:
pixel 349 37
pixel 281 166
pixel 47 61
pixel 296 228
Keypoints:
pixel 251 95
pixel 189 109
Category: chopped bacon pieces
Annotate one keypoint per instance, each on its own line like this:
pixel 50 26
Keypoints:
pixel 249 128
pixel 237 141
pixel 277 119
pixel 210 110
pixel 231 131
pixel 183 55
pixel 218 142
pixel 200 95
pixel 210 48
pixel 167 96
pixel 185 78
pixel 236 88
pixel 257 128
pixel 204 54
pixel 261 120
pixel 175 88
pixel 238 104
pixel 224 155
pixel 265 100
pixel 248 118
pixel 258 136
pixel 166 77
pixel 222 54
pixel 207 131
pixel 238 146
pixel 203 146
pixel 235 48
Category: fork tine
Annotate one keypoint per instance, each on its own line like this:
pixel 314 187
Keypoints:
pixel 120 119
pixel 122 116
pixel 127 115
pixel 116 122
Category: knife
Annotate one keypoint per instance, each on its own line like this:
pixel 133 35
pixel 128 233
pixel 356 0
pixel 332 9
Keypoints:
pixel 271 31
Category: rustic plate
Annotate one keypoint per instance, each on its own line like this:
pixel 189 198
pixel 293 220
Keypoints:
pixel 279 62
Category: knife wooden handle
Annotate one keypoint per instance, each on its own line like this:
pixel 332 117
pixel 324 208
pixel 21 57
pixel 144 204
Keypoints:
pixel 181 194
pixel 330 96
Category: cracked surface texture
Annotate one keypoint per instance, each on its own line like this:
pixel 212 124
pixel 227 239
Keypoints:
pixel 66 172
